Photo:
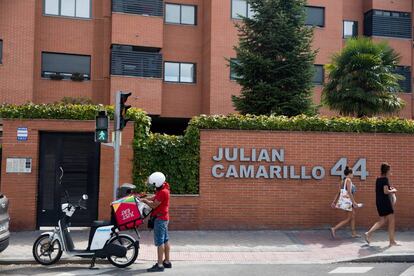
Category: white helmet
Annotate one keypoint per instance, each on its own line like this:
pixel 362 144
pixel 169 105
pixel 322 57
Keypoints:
pixel 157 179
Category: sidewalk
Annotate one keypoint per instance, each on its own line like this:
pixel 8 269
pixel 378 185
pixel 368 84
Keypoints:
pixel 242 247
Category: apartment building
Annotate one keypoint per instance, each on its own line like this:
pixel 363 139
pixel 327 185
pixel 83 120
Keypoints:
pixel 170 54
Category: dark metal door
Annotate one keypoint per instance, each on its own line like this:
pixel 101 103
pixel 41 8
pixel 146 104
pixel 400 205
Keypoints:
pixel 79 156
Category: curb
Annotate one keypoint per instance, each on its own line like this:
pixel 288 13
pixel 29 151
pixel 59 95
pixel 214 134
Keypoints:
pixel 397 258
pixel 62 261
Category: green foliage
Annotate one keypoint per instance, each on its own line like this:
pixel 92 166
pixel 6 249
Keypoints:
pixel 362 81
pixel 71 100
pixel 170 155
pixel 275 60
pixel 178 156
pixel 302 123
pixel 72 112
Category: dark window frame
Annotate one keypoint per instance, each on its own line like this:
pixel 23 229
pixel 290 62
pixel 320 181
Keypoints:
pixel 232 61
pixel 179 72
pixel 85 75
pixel 66 16
pixel 1 51
pixel 343 29
pixel 399 69
pixel 379 12
pixel 323 75
pixel 247 11
pixel 181 14
pixel 324 16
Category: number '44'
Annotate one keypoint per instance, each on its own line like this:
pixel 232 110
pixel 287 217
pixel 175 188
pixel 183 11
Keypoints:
pixel 359 169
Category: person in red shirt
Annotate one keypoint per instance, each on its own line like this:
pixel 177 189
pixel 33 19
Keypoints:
pixel 160 204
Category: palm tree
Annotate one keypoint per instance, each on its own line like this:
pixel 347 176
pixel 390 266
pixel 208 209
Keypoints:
pixel 362 81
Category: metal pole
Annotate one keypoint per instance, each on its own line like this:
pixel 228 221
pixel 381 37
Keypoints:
pixel 117 142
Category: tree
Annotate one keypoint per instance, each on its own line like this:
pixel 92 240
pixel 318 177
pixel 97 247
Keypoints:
pixel 362 81
pixel 274 59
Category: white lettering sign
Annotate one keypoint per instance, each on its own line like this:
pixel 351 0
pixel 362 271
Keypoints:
pixel 267 163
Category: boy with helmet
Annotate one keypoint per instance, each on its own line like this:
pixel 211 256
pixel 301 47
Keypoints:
pixel 160 204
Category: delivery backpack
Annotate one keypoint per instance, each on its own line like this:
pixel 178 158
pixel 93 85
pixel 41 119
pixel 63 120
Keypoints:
pixel 129 212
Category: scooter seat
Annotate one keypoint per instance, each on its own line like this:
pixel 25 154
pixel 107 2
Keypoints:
pixel 99 223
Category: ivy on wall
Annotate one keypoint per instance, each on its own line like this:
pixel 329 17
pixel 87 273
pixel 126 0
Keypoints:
pixel 178 156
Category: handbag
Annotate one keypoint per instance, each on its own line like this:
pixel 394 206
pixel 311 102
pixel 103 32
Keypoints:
pixel 344 201
pixel 151 222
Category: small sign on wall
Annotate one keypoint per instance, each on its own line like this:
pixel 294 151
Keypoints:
pixel 19 165
pixel 22 134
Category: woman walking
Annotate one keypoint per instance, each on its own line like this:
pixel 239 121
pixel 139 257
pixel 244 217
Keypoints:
pixel 385 209
pixel 350 217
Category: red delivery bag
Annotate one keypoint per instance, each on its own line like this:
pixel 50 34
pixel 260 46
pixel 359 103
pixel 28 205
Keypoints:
pixel 126 213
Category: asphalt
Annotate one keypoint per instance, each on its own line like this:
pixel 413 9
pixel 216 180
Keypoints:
pixel 242 247
pixel 207 269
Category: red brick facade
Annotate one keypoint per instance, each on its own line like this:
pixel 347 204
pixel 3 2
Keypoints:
pixel 21 189
pixel 26 33
pixel 234 203
pixel 230 203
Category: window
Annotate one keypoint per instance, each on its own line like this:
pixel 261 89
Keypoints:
pixel 350 29
pixel 1 51
pixel 404 71
pixel 179 72
pixel 136 61
pixel 142 7
pixel 70 8
pixel 233 74
pixel 65 66
pixel 387 24
pixel 240 8
pixel 315 16
pixel 318 78
pixel 180 14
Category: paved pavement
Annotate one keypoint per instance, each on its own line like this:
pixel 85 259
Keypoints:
pixel 205 269
pixel 241 247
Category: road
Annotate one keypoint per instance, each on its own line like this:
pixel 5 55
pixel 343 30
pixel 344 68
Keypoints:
pixel 203 269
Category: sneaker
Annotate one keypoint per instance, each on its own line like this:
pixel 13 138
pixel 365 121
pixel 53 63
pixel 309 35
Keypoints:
pixel 156 268
pixel 167 265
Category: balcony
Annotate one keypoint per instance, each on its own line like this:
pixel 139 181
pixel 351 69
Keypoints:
pixel 136 30
pixel 142 7
pixel 136 61
pixel 387 24
pixel 138 70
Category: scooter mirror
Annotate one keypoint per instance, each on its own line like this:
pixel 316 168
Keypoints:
pixel 85 197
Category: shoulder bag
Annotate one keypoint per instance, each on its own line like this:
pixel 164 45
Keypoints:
pixel 344 200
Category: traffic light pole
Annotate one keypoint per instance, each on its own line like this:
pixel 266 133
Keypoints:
pixel 117 142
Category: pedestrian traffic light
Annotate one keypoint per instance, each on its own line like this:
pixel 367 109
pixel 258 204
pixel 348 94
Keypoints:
pixel 102 124
pixel 123 108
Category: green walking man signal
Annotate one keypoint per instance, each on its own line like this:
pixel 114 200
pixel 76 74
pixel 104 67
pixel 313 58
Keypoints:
pixel 102 124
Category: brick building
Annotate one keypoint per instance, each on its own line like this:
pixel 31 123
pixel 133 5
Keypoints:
pixel 170 54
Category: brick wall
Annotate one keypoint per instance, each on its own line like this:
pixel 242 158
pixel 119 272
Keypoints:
pixel 229 203
pixel 17 21
pixel 21 189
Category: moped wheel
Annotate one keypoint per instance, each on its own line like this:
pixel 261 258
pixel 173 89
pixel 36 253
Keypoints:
pixel 46 252
pixel 132 251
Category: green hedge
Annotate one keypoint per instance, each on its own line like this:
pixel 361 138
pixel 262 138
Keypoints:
pixel 303 123
pixel 173 156
pixel 178 156
pixel 72 112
